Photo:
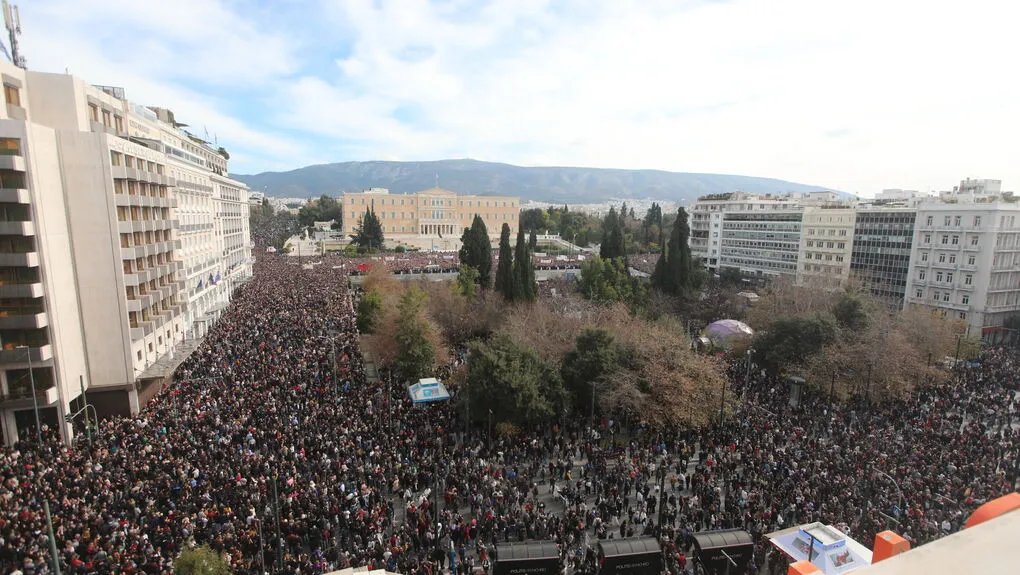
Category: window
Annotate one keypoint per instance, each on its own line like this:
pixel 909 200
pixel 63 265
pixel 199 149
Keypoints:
pixel 973 240
pixel 839 258
pixel 811 232
pixel 957 220
pixel 956 240
pixel 927 238
pixel 946 220
pixel 965 300
pixel 810 244
pixel 841 245
pixel 945 240
pixel 949 277
pixel 919 294
pixel 945 296
pixel 931 220
pixel 924 256
pixel 832 232
pixel 922 274
pixel 12 95
pixel 935 295
pixel 968 279
pixel 828 245
pixel 842 233
pixel 952 258
pixel 106 118
pixel 963 315
pixel 139 353
pixel 119 123
pixel 942 258
pixel 116 158
pixel 971 260
pixel 938 276
pixel 977 221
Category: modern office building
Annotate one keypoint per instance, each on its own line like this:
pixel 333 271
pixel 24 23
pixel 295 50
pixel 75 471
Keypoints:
pixel 965 261
pixel 882 240
pixel 93 267
pixel 430 219
pixel 756 233
pixel 826 245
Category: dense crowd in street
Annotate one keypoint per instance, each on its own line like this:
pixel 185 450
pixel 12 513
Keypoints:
pixel 284 461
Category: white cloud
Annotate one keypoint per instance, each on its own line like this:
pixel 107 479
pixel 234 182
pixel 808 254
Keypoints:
pixel 855 95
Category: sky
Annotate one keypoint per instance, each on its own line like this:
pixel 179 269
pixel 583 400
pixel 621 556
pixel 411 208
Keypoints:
pixel 854 95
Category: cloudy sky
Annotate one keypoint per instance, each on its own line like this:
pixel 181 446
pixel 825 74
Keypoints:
pixel 856 95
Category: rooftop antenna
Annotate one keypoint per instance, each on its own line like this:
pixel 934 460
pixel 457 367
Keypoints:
pixel 12 20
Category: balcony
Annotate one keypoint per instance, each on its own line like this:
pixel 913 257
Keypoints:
pixel 45 392
pixel 26 290
pixel 15 163
pixel 17 228
pixel 19 259
pixel 10 354
pixel 14 319
pixel 15 196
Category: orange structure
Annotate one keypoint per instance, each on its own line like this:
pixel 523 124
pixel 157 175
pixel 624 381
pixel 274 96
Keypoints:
pixel 803 567
pixel 994 508
pixel 888 544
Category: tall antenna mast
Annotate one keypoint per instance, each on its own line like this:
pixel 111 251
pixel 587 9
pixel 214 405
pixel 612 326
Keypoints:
pixel 12 20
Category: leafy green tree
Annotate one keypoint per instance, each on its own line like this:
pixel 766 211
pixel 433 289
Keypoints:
pixel 201 561
pixel 416 356
pixel 524 287
pixel 534 219
pixel 476 251
pixel 513 381
pixel 675 272
pixel 532 242
pixel 467 281
pixel 850 312
pixel 369 307
pixel 612 237
pixel 369 233
pixel 792 340
pixel 505 266
pixel 595 355
pixel 730 277
pixel 606 281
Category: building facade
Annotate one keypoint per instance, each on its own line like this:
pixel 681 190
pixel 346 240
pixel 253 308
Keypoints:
pixel 882 241
pixel 826 246
pixel 430 219
pixel 965 262
pixel 94 253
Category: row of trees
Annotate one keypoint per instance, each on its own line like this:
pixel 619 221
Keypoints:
pixel 324 209
pixel 848 343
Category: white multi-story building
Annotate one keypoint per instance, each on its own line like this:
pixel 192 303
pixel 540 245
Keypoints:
pixel 826 246
pixel 759 234
pixel 94 291
pixel 965 261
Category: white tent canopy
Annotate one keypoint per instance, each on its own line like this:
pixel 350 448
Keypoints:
pixel 427 390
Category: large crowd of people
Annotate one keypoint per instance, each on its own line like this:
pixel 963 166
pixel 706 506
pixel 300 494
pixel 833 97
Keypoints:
pixel 273 448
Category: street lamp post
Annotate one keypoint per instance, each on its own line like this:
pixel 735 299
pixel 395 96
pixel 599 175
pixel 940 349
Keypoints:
pixel 832 386
pixel 35 399
pixel 894 482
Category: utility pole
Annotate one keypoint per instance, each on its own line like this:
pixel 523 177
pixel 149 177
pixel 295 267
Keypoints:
pixel 279 526
pixel 35 399
pixel 53 540
pixel 88 427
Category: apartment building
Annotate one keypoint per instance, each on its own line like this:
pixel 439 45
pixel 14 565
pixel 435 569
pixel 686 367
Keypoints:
pixel 40 314
pixel 90 254
pixel 430 219
pixel 826 246
pixel 965 261
pixel 883 237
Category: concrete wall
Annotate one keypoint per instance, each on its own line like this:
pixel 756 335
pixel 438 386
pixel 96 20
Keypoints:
pixel 58 270
pixel 89 182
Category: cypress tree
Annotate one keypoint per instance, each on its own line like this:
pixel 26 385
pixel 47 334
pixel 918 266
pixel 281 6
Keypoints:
pixel 505 269
pixel 532 241
pixel 476 251
pixel 524 288
pixel 674 272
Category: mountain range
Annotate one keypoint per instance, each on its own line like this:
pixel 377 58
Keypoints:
pixel 548 184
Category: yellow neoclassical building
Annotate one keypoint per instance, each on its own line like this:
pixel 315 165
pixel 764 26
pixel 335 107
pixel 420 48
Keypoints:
pixel 430 219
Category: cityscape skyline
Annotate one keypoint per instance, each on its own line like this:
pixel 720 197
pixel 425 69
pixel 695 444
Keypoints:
pixel 857 98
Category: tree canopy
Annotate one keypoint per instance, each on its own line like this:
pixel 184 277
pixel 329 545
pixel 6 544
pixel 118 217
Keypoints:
pixel 416 355
pixel 321 210
pixel 509 379
pixel 505 265
pixel 201 561
pixel 476 250
pixel 675 272
pixel 613 244
pixel 524 286
pixel 369 232
pixel 606 281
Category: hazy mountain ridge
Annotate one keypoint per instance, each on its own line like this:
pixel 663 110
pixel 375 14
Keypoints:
pixel 552 184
